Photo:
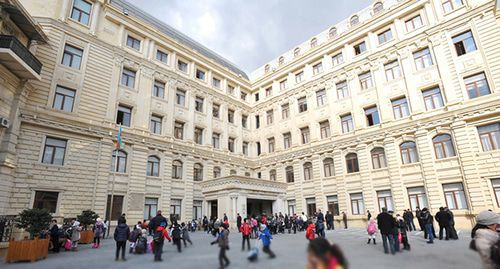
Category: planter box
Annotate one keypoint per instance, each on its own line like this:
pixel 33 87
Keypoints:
pixel 86 237
pixel 27 250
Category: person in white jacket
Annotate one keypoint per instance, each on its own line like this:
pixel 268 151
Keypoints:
pixel 485 236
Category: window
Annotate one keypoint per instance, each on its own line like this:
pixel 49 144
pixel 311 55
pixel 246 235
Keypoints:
pixel 114 212
pixel 378 7
pixel 291 207
pixel 230 144
pixel 476 85
pixel 216 83
pixel 321 97
pixel 287 140
pixel 119 161
pixel 217 172
pixel 198 104
pixel 150 208
pixel 198 172
pixel 159 89
pixel 179 130
pixel 314 42
pixel 81 11
pixel 216 140
pixel 256 97
pixel 285 111
pixel 155 124
pixel 64 99
pixel 400 108
pixel 443 146
pixel 378 158
pixel 133 42
pixel 161 56
pixel 72 57
pixel 311 206
pixel 408 152
pixel 128 78
pixel 232 172
pixel 180 97
pixel 153 167
pixel 357 204
pixel 413 23
pixel 200 74
pixel 215 110
pixel 296 52
pixel 177 169
pixel 182 66
pixel 270 144
pixel 433 99
pixel 359 48
pixel 422 59
pixel 337 59
pixel 257 121
pixel 455 196
pixel 464 43
pixel 243 96
pixel 258 148
pixel 354 20
pixel 496 188
pixel 230 116
pixel 372 116
pixel 299 77
pixel 266 68
pixel 272 175
pixel 302 102
pixel 385 37
pixel 54 151
pixel 281 60
pixel 283 85
pixel 385 200
pixel 328 167
pixel 332 32
pixel 230 90
pixel 269 91
pixel 342 90
pixel 305 134
pixel 198 135
pixel 317 68
pixel 489 136
pixel 175 209
pixel 324 129
pixel 270 117
pixel 308 171
pixel 417 198
pixel 392 70
pixel 123 115
pixel 347 124
pixel 365 80
pixel 289 174
pixel 244 148
pixel 351 160
pixel 197 210
pixel 244 121
pixel 450 5
pixel 46 200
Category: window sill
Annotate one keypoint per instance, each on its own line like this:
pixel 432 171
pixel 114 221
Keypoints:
pixel 79 23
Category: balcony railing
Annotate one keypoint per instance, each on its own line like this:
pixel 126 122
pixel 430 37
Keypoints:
pixel 11 42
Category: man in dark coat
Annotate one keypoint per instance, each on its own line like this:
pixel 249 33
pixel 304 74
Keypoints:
pixel 344 218
pixel 238 222
pixel 122 234
pixel 418 214
pixel 158 220
pixel 54 236
pixel 443 219
pixel 329 220
pixel 386 225
pixel 428 222
pixel 453 232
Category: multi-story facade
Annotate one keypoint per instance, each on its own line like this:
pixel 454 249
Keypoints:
pixel 397 106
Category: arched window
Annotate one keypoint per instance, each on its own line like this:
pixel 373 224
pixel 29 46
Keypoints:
pixel 314 42
pixel 198 172
pixel 408 152
pixel 351 160
pixel 289 174
pixel 328 167
pixel 153 168
pixel 443 146
pixel 177 169
pixel 296 52
pixel 378 158
pixel 281 60
pixel 272 175
pixel 267 68
pixel 217 172
pixel 354 20
pixel 332 32
pixel 308 174
pixel 119 165
pixel 377 7
pixel 232 172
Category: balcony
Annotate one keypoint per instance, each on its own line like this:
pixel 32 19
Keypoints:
pixel 18 59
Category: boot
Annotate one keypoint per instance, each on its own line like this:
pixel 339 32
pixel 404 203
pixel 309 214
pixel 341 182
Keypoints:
pixel 93 245
pixel 374 241
pixel 369 240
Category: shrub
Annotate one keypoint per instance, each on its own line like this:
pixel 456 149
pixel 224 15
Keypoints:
pixel 34 221
pixel 88 217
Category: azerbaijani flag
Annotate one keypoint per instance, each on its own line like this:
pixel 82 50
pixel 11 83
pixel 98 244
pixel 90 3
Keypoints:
pixel 119 142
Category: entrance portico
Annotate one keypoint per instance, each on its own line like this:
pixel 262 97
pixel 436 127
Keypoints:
pixel 243 195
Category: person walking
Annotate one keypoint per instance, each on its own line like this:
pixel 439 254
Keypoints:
pixel 428 221
pixel 121 235
pixel 75 234
pixel 176 235
pixel 98 232
pixel 223 243
pixel 266 238
pixel 344 219
pixel 185 234
pixel 485 239
pixel 238 222
pixel 386 226
pixel 246 231
pixel 54 236
pixel 329 220
pixel 158 220
pixel 323 255
pixel 159 238
pixel 372 231
pixel 443 219
pixel 368 215
pixel 205 224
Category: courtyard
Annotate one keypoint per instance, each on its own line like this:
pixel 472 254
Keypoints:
pixel 290 251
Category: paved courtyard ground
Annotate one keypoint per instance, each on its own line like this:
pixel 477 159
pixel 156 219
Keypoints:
pixel 290 251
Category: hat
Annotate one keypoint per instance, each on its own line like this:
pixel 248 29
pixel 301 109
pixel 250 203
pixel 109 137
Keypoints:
pixel 487 218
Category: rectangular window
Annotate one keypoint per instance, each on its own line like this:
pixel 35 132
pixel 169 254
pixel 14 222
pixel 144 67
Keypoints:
pixel 359 48
pixel 400 108
pixel 257 121
pixel 495 183
pixel 283 85
pixel 464 43
pixel 215 110
pixel 216 140
pixel 342 90
pixel 311 206
pixel 269 91
pixel 347 124
pixel 197 210
pixel 417 198
pixel 384 37
pixel 216 83
pixel 159 89
pixel 365 80
pixel 175 208
pixel 133 43
pixel 392 70
pixel 299 77
pixel 244 148
pixel 182 66
pixel 155 124
pixel 243 96
pixel 285 111
pixel 321 97
pixel 54 151
pixel 180 97
pixel 256 97
pixel 230 116
pixel 422 59
pixel 337 59
pixel 128 78
pixel 433 99
pixel 200 74
pixel 489 136
pixel 81 11
pixel 114 212
pixel 179 130
pixel 72 57
pixel 198 104
pixel 455 196
pixel 244 121
pixel 291 207
pixel 302 102
pixel 477 85
pixel 46 200
pixel 324 128
pixel 124 115
pixel 385 200
pixel 357 204
pixel 150 208
pixel 372 116
pixel 287 140
pixel 305 134
pixel 64 99
pixel 413 23
pixel 317 68
pixel 230 144
pixel 198 135
pixel 270 144
pixel 450 5
pixel 270 117
pixel 161 56
pixel 230 90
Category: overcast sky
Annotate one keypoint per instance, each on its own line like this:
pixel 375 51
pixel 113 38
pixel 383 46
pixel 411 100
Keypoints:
pixel 252 32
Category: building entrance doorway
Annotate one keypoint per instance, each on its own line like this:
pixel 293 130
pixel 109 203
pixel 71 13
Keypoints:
pixel 256 207
pixel 213 209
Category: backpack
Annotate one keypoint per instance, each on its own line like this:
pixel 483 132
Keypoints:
pixel 140 246
pixel 133 236
pixel 158 236
pixel 176 233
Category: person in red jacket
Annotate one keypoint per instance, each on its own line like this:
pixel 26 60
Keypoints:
pixel 246 230
pixel 311 231
pixel 263 219
pixel 158 238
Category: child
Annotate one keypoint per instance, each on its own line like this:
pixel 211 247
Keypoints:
pixel 142 242
pixel 223 242
pixel 185 234
pixel 372 230
pixel 176 235
pixel 401 225
pixel 98 232
pixel 311 231
pixel 266 237
pixel 158 238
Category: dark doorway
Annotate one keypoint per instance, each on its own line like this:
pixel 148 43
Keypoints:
pixel 257 207
pixel 213 209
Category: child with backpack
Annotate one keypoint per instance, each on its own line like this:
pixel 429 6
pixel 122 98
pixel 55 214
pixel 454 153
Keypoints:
pixel 372 231
pixel 133 238
pixel 185 234
pixel 158 239
pixel 142 242
pixel 98 232
pixel 176 235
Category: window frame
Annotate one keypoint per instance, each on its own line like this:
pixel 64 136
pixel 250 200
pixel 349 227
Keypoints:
pixel 54 149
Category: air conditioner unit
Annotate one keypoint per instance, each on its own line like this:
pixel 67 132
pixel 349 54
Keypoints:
pixel 4 123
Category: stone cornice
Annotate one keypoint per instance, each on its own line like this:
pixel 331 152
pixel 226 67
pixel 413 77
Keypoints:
pixel 240 182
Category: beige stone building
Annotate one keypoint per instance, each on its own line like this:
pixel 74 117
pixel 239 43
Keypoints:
pixel 397 106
